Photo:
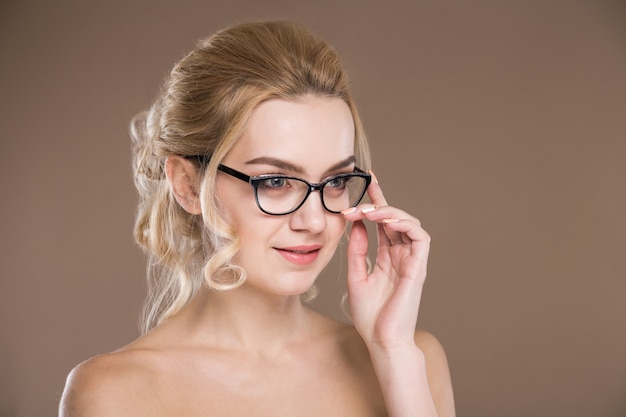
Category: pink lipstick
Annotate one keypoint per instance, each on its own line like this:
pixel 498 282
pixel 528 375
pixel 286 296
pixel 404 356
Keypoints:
pixel 300 255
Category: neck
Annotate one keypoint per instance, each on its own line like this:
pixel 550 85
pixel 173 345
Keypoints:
pixel 243 319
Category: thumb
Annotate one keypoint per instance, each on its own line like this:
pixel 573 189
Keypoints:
pixel 357 252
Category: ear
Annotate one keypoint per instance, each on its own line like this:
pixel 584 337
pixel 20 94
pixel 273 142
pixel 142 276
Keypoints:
pixel 182 175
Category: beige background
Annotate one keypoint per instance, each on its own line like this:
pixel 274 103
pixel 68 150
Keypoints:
pixel 501 124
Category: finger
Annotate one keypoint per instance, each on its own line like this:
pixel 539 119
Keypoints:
pixel 417 237
pixel 375 193
pixel 357 252
pixel 384 239
pixel 394 237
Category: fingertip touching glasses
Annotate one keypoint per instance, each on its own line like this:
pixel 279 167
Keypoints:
pixel 278 194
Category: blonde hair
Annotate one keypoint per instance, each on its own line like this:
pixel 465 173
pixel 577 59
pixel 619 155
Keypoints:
pixel 201 111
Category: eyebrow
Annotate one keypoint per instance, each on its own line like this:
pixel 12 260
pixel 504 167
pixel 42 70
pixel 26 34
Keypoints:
pixel 282 164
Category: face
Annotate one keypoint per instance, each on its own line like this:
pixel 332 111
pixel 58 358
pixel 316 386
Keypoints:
pixel 311 138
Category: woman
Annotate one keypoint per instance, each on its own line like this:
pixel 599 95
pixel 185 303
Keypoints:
pixel 250 166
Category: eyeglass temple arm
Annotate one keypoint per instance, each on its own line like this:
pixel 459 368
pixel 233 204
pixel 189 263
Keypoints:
pixel 204 160
pixel 234 173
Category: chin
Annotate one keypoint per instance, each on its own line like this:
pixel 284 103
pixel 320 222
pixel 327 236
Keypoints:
pixel 291 286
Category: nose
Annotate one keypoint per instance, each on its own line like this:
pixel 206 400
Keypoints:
pixel 311 216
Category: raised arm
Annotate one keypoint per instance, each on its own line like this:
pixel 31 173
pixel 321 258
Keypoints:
pixel 384 304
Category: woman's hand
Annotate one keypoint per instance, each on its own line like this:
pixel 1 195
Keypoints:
pixel 384 303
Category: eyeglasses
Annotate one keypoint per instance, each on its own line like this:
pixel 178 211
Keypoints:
pixel 281 194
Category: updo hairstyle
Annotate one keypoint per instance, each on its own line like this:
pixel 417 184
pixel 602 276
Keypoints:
pixel 201 111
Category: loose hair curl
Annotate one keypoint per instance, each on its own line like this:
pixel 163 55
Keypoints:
pixel 201 111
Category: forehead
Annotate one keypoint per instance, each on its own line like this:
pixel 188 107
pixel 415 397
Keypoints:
pixel 313 132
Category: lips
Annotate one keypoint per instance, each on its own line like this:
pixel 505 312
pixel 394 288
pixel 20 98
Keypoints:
pixel 300 255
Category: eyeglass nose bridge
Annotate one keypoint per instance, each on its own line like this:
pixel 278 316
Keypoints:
pixel 311 188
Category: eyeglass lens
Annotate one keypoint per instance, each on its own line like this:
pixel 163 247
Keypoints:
pixel 278 195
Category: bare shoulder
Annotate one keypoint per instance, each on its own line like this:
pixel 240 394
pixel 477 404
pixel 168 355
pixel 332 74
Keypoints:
pixel 107 385
pixel 430 345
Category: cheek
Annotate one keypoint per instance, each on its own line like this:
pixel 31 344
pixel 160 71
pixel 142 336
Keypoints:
pixel 337 227
pixel 235 203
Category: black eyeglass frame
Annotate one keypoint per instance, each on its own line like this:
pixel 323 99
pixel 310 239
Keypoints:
pixel 256 181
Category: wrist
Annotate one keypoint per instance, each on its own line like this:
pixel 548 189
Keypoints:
pixel 401 372
pixel 407 351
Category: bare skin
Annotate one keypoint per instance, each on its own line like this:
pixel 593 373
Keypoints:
pixel 257 350
pixel 323 371
pixel 327 371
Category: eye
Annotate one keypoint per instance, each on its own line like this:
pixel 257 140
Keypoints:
pixel 274 183
pixel 339 182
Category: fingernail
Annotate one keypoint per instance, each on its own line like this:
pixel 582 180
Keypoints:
pixel 348 210
pixel 391 221
pixel 373 176
pixel 368 209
